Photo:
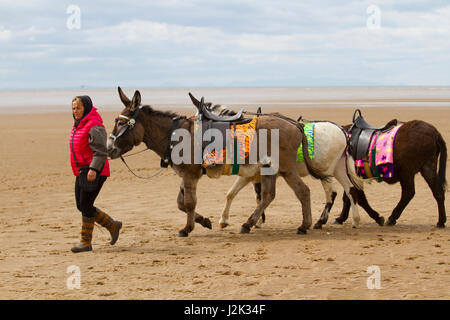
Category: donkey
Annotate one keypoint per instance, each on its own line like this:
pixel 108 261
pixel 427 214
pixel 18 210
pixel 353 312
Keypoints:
pixel 417 147
pixel 138 124
pixel 330 143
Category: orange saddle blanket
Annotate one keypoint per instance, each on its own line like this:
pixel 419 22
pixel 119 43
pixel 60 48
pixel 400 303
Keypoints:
pixel 240 137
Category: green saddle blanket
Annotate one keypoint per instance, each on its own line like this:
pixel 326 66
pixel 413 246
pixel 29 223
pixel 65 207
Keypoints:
pixel 309 131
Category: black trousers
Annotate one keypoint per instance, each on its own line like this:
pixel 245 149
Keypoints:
pixel 85 200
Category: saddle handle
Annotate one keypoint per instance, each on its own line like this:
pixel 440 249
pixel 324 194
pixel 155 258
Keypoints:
pixel 202 102
pixel 354 114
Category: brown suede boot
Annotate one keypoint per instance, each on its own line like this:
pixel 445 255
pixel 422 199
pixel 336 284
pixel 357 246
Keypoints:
pixel 87 228
pixel 106 221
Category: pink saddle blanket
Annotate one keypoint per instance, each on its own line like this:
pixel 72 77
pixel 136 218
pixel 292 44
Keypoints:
pixel 379 162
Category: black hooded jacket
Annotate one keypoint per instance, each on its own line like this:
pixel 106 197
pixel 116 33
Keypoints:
pixel 87 103
pixel 97 137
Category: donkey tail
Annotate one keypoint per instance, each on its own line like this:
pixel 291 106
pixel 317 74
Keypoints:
pixel 351 172
pixel 442 162
pixel 312 171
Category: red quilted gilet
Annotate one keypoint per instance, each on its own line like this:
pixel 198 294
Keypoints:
pixel 79 141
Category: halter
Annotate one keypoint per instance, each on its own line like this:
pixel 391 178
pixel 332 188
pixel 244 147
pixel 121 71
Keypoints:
pixel 166 161
pixel 130 124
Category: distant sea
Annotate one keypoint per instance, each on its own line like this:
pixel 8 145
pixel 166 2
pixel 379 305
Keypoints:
pixel 50 100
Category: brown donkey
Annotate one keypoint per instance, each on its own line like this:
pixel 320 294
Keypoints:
pixel 138 124
pixel 417 148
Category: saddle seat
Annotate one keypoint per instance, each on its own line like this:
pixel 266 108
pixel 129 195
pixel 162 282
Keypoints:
pixel 361 134
pixel 362 124
pixel 214 117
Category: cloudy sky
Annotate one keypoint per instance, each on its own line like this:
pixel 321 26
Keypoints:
pixel 204 43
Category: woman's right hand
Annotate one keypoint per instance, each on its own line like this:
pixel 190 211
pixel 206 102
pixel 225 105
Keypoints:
pixel 91 175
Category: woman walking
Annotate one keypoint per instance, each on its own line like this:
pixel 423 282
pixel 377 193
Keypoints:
pixel 88 158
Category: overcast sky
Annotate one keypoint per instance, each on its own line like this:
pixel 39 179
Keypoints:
pixel 196 43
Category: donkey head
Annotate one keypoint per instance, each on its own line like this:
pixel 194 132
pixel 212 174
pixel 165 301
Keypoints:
pixel 128 130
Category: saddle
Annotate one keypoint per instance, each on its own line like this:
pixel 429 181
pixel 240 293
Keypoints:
pixel 361 134
pixel 222 123
pixel 214 117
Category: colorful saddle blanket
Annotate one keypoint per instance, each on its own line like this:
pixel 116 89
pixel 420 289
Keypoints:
pixel 379 162
pixel 243 134
pixel 309 132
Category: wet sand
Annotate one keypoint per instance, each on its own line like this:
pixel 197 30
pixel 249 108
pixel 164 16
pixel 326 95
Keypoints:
pixel 40 223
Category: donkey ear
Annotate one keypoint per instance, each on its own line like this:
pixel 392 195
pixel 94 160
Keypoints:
pixel 136 101
pixel 194 101
pixel 123 97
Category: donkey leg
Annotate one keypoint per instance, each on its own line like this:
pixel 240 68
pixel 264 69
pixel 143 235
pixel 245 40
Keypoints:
pixel 302 192
pixel 362 201
pixel 408 191
pixel 330 195
pixel 190 201
pixel 353 195
pixel 351 191
pixel 268 184
pixel 345 210
pixel 257 187
pixel 237 186
pixel 203 221
pixel 429 174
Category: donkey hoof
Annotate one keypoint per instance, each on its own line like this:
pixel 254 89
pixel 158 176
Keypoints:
pixel 440 225
pixel 381 221
pixel 182 234
pixel 223 225
pixel 317 225
pixel 390 223
pixel 337 222
pixel 245 229
pixel 301 230
pixel 207 223
pixel 259 224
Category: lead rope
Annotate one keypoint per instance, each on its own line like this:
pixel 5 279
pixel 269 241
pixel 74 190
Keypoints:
pixel 129 155
pixel 152 176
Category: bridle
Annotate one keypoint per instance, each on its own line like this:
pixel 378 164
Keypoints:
pixel 166 161
pixel 130 125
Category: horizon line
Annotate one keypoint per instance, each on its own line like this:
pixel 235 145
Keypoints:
pixel 227 87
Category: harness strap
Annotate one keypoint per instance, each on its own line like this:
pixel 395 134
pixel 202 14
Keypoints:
pixel 373 164
pixel 235 168
pixel 166 161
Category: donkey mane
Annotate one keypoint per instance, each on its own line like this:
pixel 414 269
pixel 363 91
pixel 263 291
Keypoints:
pixel 158 113
pixel 220 110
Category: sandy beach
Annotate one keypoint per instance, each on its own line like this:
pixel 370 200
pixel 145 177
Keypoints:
pixel 39 223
